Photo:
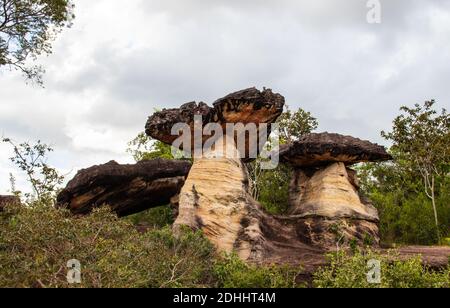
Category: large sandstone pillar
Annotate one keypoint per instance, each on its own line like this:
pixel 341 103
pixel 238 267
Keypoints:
pixel 215 196
pixel 215 199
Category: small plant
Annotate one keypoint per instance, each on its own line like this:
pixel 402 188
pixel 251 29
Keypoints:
pixel 368 240
pixel 232 272
pixel 158 217
pixel 32 160
pixel 353 243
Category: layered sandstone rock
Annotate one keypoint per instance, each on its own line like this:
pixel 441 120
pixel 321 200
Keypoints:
pixel 6 200
pixel 128 189
pixel 328 192
pixel 215 200
pixel 215 197
pixel 324 192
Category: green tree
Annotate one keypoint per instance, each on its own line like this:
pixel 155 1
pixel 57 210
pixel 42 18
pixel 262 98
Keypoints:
pixel 295 124
pixel 270 187
pixel 144 147
pixel 27 28
pixel 421 141
pixel 32 160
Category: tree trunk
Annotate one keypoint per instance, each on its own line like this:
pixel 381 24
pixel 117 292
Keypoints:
pixel 433 200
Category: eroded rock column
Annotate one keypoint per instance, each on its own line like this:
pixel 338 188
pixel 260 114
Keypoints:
pixel 215 199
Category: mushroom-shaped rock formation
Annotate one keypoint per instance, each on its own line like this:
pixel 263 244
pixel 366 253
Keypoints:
pixel 127 189
pixel 249 106
pixel 324 192
pixel 215 196
pixel 5 200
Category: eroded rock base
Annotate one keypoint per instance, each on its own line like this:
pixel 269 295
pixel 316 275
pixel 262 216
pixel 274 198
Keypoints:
pixel 330 210
pixel 337 233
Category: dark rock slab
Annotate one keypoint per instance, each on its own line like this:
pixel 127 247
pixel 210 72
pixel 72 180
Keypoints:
pixel 245 106
pixel 322 149
pixel 128 189
pixel 5 200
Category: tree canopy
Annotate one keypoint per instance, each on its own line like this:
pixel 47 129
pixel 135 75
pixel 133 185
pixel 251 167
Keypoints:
pixel 27 28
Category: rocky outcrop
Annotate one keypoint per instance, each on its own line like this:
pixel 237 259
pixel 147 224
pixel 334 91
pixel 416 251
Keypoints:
pixel 216 200
pixel 326 207
pixel 128 189
pixel 245 106
pixel 215 196
pixel 328 192
pixel 6 200
pixel 324 192
pixel 314 150
pixel 437 257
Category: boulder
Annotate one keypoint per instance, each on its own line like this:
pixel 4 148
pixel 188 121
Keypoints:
pixel 5 200
pixel 128 189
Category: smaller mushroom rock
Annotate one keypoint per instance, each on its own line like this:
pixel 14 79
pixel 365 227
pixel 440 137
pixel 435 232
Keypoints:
pixel 127 189
pixel 6 200
pixel 324 192
pixel 328 192
pixel 314 150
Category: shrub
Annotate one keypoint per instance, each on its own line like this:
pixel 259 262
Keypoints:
pixel 158 217
pixel 350 271
pixel 232 272
pixel 37 242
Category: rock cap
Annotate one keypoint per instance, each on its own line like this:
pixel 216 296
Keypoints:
pixel 246 106
pixel 314 150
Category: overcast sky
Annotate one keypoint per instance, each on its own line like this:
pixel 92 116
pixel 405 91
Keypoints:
pixel 121 60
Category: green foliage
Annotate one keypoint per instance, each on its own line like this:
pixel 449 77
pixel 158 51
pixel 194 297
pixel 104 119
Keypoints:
pixel 351 271
pixel 158 217
pixel 36 243
pixel 408 219
pixel 293 125
pixel 421 144
pixel 145 148
pixel 271 187
pixel 412 193
pixel 421 137
pixel 232 272
pixel 32 160
pixel 27 28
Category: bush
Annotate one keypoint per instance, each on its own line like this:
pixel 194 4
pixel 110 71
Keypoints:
pixel 36 243
pixel 232 272
pixel 158 217
pixel 350 271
